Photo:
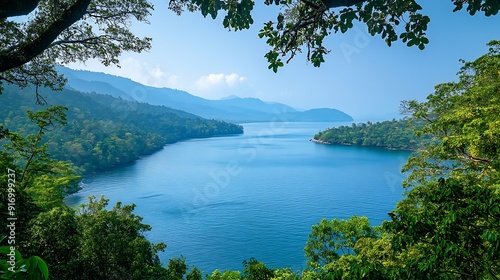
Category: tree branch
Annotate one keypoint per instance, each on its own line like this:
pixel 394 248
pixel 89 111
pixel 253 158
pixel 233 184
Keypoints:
pixel 12 8
pixel 341 3
pixel 310 4
pixel 476 159
pixel 26 51
pixel 83 41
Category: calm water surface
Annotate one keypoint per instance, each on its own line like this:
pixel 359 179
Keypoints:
pixel 219 201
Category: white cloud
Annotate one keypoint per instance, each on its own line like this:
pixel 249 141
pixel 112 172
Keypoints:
pixel 211 86
pixel 156 73
pixel 211 81
pixel 233 78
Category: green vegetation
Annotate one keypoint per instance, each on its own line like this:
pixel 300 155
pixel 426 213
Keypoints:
pixel 395 134
pixel 303 25
pixel 18 268
pixel 446 227
pixel 91 242
pixel 62 32
pixel 104 132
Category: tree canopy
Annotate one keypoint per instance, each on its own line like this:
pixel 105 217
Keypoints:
pixel 395 134
pixel 451 211
pixel 63 31
pixel 302 25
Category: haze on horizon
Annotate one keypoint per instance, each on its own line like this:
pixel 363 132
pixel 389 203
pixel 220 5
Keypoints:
pixel 362 76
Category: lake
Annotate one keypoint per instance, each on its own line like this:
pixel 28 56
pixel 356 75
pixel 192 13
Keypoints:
pixel 219 201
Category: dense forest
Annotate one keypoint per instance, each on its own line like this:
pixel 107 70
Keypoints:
pixel 395 134
pixel 446 226
pixel 101 131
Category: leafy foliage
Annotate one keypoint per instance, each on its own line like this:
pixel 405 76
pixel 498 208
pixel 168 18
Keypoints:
pixel 303 25
pixel 450 216
pixel 113 244
pixel 54 236
pixel 331 239
pixel 255 270
pixel 33 268
pixel 89 243
pixel 226 275
pixel 463 119
pixel 47 180
pixel 65 31
pixel 94 243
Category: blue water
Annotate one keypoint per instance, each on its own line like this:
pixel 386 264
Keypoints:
pixel 220 201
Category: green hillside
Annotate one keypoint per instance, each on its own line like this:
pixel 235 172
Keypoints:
pixel 103 131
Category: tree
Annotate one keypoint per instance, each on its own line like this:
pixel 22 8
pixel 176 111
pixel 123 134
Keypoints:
pixel 113 244
pixel 63 31
pixel 331 239
pixel 45 179
pixel 302 25
pixel 194 274
pixel 38 182
pixel 177 268
pixel 285 274
pixel 447 226
pixel 227 275
pixel 255 270
pixel 54 236
pixel 349 249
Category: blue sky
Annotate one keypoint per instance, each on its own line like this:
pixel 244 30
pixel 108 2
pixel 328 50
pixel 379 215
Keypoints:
pixel 198 55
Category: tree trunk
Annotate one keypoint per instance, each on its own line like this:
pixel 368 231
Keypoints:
pixel 26 51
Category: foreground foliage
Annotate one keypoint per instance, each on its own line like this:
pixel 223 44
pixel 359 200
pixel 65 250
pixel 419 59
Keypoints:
pixel 451 213
pixel 446 227
pixel 63 31
pixel 304 25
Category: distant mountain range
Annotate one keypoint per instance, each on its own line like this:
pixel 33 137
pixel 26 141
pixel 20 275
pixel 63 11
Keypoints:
pixel 231 109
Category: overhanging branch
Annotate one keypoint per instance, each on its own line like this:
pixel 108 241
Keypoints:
pixel 341 3
pixel 12 8
pixel 26 51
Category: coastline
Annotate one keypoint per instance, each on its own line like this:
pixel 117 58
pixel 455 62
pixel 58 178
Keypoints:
pixel 350 144
pixel 320 141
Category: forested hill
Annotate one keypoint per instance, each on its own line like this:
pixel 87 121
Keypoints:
pixel 102 131
pixel 395 134
pixel 231 109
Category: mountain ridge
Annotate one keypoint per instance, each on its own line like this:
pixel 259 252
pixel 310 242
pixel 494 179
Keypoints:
pixel 231 109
